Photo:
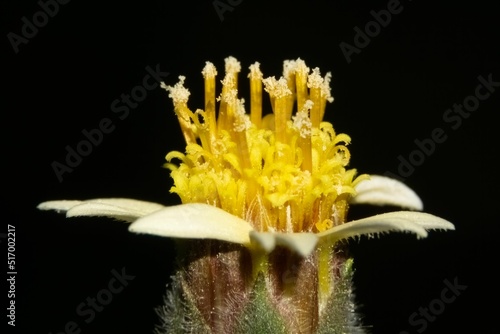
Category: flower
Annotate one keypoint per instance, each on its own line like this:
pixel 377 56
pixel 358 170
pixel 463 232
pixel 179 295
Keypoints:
pixel 266 194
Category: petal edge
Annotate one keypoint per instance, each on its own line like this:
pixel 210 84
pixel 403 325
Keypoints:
pixel 125 209
pixel 382 190
pixel 194 221
pixel 399 221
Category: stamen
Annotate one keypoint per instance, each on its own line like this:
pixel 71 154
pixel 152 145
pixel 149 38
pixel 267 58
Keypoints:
pixel 232 67
pixel 255 76
pixel 301 73
pixel 209 72
pixel 326 93
pixel 304 125
pixel 279 91
pixel 315 84
pixel 241 125
pixel 289 67
pixel 228 101
pixel 180 95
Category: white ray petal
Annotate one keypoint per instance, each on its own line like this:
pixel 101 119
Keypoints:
pixel 194 221
pixel 125 209
pixel 423 219
pixel 382 190
pixel 302 243
pixel 264 240
pixel 400 221
pixel 59 206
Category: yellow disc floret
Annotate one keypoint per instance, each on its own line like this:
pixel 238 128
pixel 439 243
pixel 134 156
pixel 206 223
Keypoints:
pixel 284 170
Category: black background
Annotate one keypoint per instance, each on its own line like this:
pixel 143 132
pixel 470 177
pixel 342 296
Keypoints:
pixel 396 90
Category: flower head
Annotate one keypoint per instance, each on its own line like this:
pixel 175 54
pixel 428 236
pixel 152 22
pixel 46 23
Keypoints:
pixel 275 184
pixel 280 168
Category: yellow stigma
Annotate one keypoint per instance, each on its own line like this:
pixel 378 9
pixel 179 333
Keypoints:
pixel 280 168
